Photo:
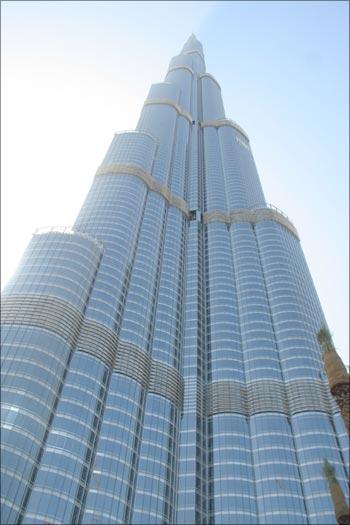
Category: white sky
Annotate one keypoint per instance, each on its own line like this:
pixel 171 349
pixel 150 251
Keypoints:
pixel 75 73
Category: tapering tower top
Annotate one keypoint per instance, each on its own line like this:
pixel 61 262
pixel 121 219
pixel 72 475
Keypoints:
pixel 192 44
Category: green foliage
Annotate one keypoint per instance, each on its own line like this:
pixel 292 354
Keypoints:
pixel 325 339
pixel 329 470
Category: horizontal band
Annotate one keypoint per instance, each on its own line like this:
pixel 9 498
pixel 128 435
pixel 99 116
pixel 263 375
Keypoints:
pixel 268 396
pixel 133 362
pixel 225 396
pixel 193 51
pixel 99 341
pixel 94 339
pixel 60 317
pixel 208 75
pixel 126 358
pixel 157 377
pixel 151 183
pixel 253 216
pixel 42 311
pixel 224 122
pixel 188 68
pixel 69 230
pixel 166 381
pixel 169 102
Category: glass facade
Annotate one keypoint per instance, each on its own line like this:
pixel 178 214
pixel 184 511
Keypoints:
pixel 159 360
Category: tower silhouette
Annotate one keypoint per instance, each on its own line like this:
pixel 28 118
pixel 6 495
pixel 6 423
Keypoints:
pixel 160 359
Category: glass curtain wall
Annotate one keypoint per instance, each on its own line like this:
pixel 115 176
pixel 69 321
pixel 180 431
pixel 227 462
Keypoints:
pixel 159 362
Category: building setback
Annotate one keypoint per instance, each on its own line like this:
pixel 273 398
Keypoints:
pixel 160 358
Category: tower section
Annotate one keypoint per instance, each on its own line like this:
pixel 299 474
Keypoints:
pixel 267 403
pixel 160 361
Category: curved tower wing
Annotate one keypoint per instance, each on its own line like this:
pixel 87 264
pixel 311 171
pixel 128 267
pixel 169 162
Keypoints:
pixel 160 360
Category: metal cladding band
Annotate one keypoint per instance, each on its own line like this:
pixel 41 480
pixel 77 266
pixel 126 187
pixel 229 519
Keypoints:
pixel 268 396
pixel 193 51
pixel 127 359
pixel 153 185
pixel 98 340
pixel 67 230
pixel 225 396
pixel 42 311
pixel 166 381
pixel 208 75
pixel 181 67
pixel 133 362
pixel 224 122
pixel 169 102
pixel 310 394
pixel 252 216
pixel 95 339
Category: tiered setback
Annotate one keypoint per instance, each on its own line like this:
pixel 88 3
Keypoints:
pixel 160 361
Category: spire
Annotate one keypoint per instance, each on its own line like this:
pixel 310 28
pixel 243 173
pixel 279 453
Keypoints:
pixel 192 44
pixel 342 511
pixel 338 376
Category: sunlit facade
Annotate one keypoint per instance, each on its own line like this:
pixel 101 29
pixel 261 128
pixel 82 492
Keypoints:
pixel 160 364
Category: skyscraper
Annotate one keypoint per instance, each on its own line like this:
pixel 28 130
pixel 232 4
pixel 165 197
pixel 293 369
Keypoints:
pixel 160 358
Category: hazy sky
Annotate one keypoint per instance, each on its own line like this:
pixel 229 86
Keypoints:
pixel 73 73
